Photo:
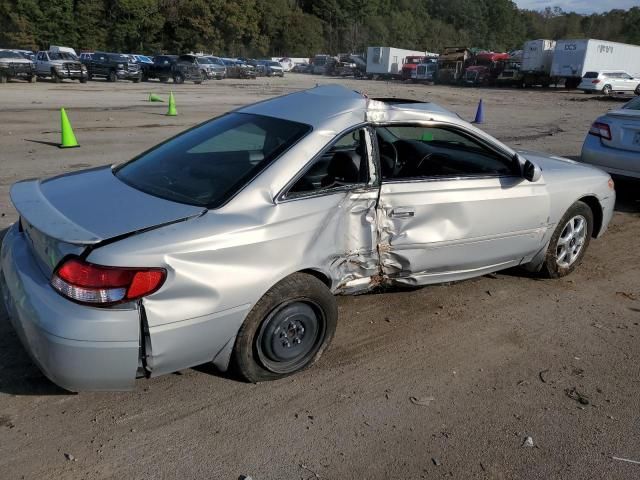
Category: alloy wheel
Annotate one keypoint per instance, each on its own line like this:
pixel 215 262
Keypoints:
pixel 571 241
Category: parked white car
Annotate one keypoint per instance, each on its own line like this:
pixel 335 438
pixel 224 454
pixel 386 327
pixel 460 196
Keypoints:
pixel 607 82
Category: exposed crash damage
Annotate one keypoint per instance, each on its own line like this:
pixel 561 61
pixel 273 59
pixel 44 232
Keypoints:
pixel 244 228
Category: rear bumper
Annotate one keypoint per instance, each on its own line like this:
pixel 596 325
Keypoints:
pixel 77 347
pixel 612 160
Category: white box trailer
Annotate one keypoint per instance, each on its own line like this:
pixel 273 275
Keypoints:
pixel 573 58
pixel 537 57
pixel 386 62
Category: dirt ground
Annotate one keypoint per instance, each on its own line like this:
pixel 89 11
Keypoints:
pixel 497 354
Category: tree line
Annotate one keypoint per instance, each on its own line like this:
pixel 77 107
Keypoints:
pixel 297 28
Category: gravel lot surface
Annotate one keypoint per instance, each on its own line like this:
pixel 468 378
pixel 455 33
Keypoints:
pixel 489 362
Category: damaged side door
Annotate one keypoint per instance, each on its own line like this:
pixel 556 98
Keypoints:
pixel 337 195
pixel 451 207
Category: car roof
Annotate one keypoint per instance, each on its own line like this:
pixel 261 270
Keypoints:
pixel 338 107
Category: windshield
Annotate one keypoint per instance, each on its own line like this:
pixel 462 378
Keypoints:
pixel 8 54
pixel 633 104
pixel 207 165
pixel 274 64
pixel 62 56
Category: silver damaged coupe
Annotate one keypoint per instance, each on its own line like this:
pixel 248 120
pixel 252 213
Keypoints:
pixel 227 243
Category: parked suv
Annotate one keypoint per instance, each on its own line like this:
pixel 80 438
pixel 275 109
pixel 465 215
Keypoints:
pixel 14 65
pixel 60 63
pixel 161 68
pixel 270 68
pixel 213 67
pixel 187 68
pixel 113 66
pixel 607 82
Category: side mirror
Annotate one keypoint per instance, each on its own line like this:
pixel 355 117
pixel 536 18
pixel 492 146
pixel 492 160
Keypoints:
pixel 528 170
pixel 531 172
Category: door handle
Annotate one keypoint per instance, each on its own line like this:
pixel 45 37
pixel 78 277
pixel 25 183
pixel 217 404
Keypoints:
pixel 402 212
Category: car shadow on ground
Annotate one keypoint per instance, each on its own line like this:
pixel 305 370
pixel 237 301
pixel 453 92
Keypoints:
pixel 627 195
pixel 18 374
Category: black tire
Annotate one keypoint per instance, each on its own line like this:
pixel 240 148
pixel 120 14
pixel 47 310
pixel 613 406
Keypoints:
pixel 164 79
pixel 637 90
pixel 551 268
pixel 55 77
pixel 265 351
pixel 137 79
pixel 112 77
pixel 84 80
pixel 606 90
pixel 178 78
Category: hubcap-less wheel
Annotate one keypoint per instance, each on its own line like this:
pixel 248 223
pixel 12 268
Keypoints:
pixel 571 241
pixel 290 336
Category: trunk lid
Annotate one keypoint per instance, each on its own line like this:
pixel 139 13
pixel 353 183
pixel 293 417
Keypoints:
pixel 625 129
pixel 65 214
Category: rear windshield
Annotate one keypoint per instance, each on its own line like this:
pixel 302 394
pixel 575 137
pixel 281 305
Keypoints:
pixel 207 165
pixel 591 75
pixel 633 104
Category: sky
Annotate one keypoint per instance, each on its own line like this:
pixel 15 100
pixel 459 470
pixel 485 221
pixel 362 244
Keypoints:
pixel 579 6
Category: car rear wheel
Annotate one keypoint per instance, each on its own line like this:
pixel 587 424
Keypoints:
pixel 287 330
pixel 606 90
pixel 569 241
pixel 112 76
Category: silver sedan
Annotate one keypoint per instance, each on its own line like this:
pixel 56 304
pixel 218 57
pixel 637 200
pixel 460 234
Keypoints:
pixel 227 243
pixel 613 141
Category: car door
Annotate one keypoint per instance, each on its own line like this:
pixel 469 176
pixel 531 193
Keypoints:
pixel 627 82
pixel 330 207
pixel 452 206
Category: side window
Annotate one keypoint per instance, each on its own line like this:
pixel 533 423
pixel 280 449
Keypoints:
pixel 342 165
pixel 418 151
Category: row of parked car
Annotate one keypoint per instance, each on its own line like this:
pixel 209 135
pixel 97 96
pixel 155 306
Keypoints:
pixel 60 63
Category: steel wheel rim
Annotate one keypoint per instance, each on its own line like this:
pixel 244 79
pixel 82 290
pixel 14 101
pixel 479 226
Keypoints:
pixel 290 336
pixel 571 241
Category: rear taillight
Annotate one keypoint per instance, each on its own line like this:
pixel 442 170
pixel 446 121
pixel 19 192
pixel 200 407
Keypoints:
pixel 97 285
pixel 601 130
pixel 595 81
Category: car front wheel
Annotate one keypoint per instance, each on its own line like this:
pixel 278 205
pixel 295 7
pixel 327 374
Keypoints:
pixel 569 241
pixel 287 330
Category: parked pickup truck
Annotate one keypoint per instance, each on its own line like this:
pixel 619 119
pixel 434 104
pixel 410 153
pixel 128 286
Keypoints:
pixel 14 65
pixel 60 63
pixel 112 66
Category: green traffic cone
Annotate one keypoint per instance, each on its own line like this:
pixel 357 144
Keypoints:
pixel 68 138
pixel 155 98
pixel 172 112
